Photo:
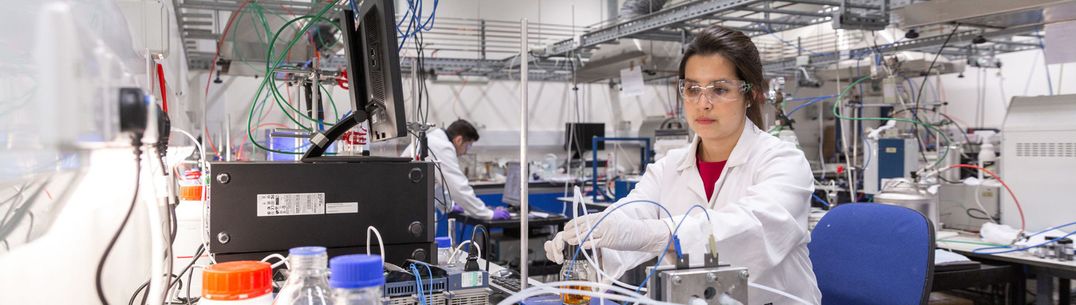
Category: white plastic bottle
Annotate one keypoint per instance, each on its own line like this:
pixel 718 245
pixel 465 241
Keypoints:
pixel 357 279
pixel 237 283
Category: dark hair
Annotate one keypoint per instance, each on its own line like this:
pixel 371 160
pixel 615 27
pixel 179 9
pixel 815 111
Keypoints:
pixel 737 48
pixel 462 128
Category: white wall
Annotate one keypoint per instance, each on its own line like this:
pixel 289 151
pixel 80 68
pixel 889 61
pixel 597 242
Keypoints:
pixel 1021 74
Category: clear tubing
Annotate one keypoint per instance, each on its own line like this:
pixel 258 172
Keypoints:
pixel 545 289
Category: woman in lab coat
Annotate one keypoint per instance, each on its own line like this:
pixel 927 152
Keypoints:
pixel 754 187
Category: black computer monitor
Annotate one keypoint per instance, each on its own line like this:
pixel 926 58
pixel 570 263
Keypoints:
pixel 373 66
pixel 373 69
pixel 583 132
pixel 512 188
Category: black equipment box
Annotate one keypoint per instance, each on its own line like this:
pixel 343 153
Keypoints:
pixel 257 208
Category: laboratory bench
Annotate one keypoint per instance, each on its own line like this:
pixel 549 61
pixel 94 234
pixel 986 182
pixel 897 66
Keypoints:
pixel 1045 270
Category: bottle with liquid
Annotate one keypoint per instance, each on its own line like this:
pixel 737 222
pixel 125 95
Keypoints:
pixel 357 279
pixel 308 278
pixel 237 283
pixel 444 251
pixel 578 270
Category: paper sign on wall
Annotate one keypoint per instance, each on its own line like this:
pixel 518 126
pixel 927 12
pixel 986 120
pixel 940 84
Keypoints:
pixel 631 82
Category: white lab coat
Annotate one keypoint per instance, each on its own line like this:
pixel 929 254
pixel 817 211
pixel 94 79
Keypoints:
pixel 759 213
pixel 444 153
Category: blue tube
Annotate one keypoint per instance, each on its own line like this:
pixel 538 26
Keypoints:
pixel 819 99
pixel 820 200
pixel 981 250
pixel 675 237
pixel 808 98
pixel 608 212
pixel 418 285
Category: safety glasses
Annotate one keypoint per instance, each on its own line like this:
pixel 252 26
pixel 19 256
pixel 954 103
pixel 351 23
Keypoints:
pixel 721 91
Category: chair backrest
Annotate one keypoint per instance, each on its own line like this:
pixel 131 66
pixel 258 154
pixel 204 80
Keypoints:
pixel 868 253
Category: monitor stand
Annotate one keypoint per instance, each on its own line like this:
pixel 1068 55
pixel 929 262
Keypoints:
pixel 321 141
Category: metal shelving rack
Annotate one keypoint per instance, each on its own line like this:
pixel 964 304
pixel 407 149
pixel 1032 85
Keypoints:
pixel 487 48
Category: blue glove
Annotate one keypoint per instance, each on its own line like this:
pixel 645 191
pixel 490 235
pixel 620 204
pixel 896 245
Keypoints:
pixel 456 209
pixel 500 213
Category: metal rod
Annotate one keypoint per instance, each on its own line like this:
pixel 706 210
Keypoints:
pixel 753 20
pixel 524 169
pixel 227 137
pixel 786 12
pixel 831 3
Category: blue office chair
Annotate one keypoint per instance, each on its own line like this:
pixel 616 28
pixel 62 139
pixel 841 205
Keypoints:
pixel 868 253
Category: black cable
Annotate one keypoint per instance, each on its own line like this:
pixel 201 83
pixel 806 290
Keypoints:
pixel 485 244
pixel 145 292
pixel 987 217
pixel 190 279
pixel 137 291
pixel 126 218
pixel 946 116
pixel 919 96
pixel 10 213
pixel 172 284
pixel 172 225
pixel 444 188
pixel 424 91
pixel 197 254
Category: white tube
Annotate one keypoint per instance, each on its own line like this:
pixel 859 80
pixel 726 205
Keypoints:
pixel 460 248
pixel 781 293
pixel 551 289
pixel 201 151
pixel 156 235
pixel 576 202
pixel 380 242
pixel 283 260
pixel 524 168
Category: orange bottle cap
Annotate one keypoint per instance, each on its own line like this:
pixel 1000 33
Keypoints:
pixel 238 280
pixel 190 192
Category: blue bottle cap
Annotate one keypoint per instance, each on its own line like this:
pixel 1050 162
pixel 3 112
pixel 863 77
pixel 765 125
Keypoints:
pixel 443 242
pixel 356 271
pixel 306 251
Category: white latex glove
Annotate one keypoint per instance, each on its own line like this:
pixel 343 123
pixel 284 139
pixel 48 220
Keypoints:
pixel 618 232
pixel 554 249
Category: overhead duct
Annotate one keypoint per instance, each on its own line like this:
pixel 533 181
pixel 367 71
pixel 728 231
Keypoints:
pixel 654 57
pixel 635 8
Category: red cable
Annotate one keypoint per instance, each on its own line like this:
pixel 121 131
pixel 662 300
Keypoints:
pixel 164 89
pixel 342 80
pixel 1007 188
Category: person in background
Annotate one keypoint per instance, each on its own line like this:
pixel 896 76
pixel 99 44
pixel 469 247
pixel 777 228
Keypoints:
pixel 445 148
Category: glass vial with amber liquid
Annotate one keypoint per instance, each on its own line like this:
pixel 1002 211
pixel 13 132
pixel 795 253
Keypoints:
pixel 578 270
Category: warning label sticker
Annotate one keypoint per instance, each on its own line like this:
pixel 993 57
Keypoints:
pixel 471 279
pixel 291 204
